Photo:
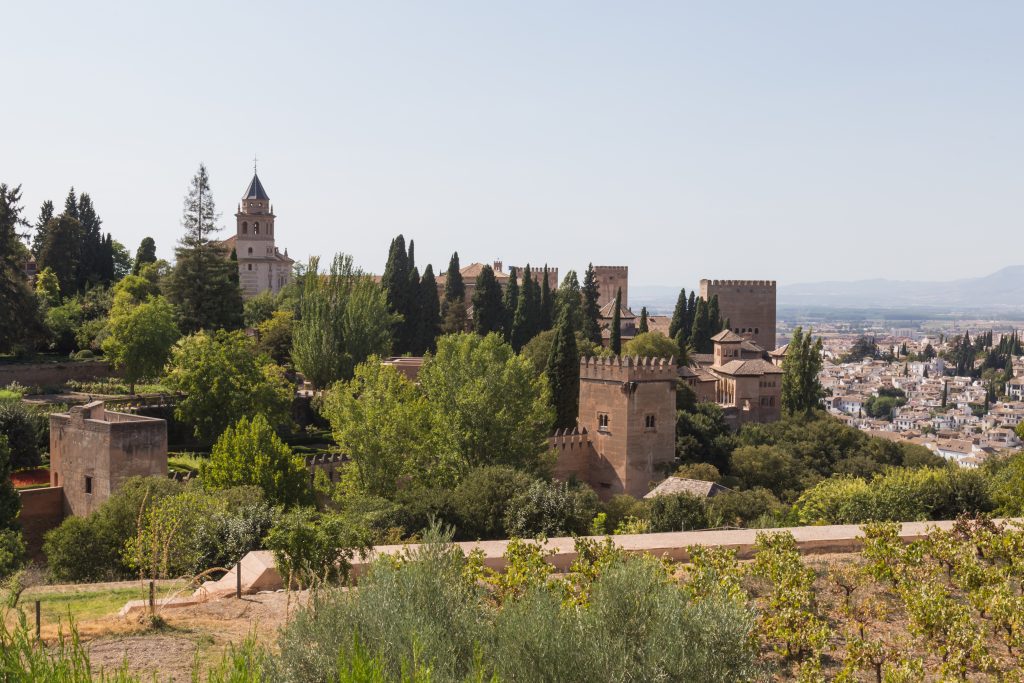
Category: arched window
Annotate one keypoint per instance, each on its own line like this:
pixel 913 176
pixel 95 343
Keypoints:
pixel 245 227
pixel 256 228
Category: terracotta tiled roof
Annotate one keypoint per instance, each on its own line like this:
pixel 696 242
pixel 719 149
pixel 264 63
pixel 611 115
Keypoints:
pixel 608 311
pixel 749 367
pixel 727 337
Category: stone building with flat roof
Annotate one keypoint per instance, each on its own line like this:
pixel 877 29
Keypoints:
pixel 94 450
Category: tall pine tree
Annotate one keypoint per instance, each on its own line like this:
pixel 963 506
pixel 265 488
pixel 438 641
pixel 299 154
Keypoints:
pixel 204 281
pixel 616 330
pixel 488 310
pixel 45 216
pixel 563 372
pixel 429 313
pixel 396 283
pixel 678 314
pixel 591 311
pixel 61 251
pixel 511 302
pixel 20 325
pixel 547 303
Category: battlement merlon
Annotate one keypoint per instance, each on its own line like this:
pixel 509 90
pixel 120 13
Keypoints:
pixel 629 369
pixel 770 284
pixel 619 269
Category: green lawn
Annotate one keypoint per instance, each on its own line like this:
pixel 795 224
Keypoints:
pixel 87 602
pixel 185 462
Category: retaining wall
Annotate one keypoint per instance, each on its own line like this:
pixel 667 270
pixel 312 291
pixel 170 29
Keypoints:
pixel 54 374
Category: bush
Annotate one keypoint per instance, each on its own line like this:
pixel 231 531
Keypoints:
pixel 621 506
pixel 311 547
pixel 481 501
pixel 90 548
pixel 25 429
pixel 680 512
pixel 551 509
pixel 741 508
pixel 12 552
pixel 84 354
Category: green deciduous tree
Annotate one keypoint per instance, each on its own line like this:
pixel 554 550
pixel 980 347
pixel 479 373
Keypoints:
pixel 483 497
pixel 140 339
pixel 224 379
pixel 491 409
pixel 344 319
pixel 563 374
pixel 249 453
pixel 274 336
pixel 204 283
pixel 651 345
pixel 801 388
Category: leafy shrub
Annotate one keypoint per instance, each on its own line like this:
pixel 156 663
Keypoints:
pixel 481 500
pixel 741 508
pixel 84 354
pixel 621 506
pixel 12 552
pixel 677 513
pixel 551 509
pixel 419 612
pixel 25 429
pixel 311 547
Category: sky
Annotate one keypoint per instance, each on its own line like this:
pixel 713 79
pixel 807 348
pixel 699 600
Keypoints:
pixel 794 141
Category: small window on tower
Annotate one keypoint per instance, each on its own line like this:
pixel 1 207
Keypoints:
pixel 245 227
pixel 649 423
pixel 602 422
pixel 88 484
pixel 256 228
pixel 250 250
pixel 250 266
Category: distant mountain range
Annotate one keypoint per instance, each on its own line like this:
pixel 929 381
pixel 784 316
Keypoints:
pixel 1000 292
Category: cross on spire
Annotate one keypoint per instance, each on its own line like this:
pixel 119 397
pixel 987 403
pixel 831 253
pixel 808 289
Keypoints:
pixel 254 160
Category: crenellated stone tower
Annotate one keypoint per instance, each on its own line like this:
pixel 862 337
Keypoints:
pixel 261 267
pixel 748 305
pixel 625 438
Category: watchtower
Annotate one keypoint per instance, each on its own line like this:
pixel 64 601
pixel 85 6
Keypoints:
pixel 609 280
pixel 748 305
pixel 627 408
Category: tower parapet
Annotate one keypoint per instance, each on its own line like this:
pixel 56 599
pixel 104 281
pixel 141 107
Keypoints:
pixel 748 305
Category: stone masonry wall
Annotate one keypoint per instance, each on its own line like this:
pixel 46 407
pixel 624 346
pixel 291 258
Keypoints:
pixel 41 510
pixel 749 305
pixel 54 374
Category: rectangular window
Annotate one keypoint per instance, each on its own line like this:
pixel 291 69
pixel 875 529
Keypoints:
pixel 602 422
pixel 649 423
pixel 88 484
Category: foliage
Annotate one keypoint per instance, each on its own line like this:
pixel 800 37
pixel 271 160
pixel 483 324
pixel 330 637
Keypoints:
pixel 488 407
pixel 563 374
pixel 311 547
pixel 275 336
pixel 615 338
pixel 90 548
pixel 259 308
pixel 651 345
pixel 12 552
pixel 801 388
pixel 174 535
pixel 224 379
pixel 140 339
pixel 10 503
pixel 481 499
pixel 250 453
pixel 679 512
pixel 488 308
pixel 343 320
pixel 27 430
pixel 551 509
pixel 204 283
pixel 702 435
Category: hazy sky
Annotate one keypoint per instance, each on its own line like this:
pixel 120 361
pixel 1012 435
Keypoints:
pixel 788 140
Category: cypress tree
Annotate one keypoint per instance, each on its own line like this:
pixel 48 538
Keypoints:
pixel 430 312
pixel 700 336
pixel 641 328
pixel 204 282
pixel 546 303
pixel 616 331
pixel 454 287
pixel 535 317
pixel 19 310
pixel 569 299
pixel 488 311
pixel 591 311
pixel 411 325
pixel 396 283
pixel 522 318
pixel 45 216
pixel 146 253
pixel 61 251
pixel 563 372
pixel 714 317
pixel 691 313
pixel 92 266
pixel 511 303
pixel 678 315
